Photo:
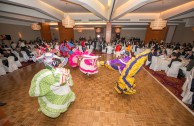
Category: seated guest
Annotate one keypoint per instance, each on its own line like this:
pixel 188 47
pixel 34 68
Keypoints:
pixel 136 46
pixel 8 53
pixel 174 57
pixel 164 52
pixel 183 70
pixel 187 49
pixel 178 53
pixel 190 65
pixel 157 53
pixel 13 45
pixel 18 50
pixel 1 49
pixel 156 46
pixel 21 44
pixel 189 55
pixel 28 52
pixel 109 49
pixel 28 47
pixel 176 47
pixel 150 56
pixel 182 51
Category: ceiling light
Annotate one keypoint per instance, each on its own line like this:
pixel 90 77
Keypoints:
pixel 98 36
pixel 158 24
pixel 79 30
pixel 53 23
pixel 83 28
pixel 90 23
pixel 67 22
pixel 98 30
pixel 117 30
pixel 35 26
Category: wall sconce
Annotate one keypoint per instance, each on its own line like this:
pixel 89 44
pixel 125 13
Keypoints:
pixel 20 35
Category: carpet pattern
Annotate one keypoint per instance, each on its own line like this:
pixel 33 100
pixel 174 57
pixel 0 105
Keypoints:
pixel 173 84
pixel 24 64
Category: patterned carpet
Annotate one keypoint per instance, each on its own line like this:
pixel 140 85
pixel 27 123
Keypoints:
pixel 24 64
pixel 173 84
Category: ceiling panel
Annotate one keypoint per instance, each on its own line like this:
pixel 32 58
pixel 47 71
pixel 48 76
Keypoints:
pixel 66 6
pixel 160 6
pixel 104 2
pixel 120 2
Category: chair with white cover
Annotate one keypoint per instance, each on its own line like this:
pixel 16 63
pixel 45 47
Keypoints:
pixel 104 50
pixel 133 48
pixel 114 50
pixel 21 59
pixel 147 62
pixel 2 70
pixel 18 63
pixel 137 52
pixel 154 65
pixel 174 69
pixel 122 51
pixel 80 48
pixel 109 49
pixel 169 51
pixel 26 57
pixel 163 63
pixel 90 50
pixel 12 65
pixel 187 94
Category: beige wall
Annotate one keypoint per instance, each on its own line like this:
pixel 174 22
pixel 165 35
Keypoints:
pixel 55 34
pixel 26 31
pixel 84 33
pixel 170 34
pixel 183 34
pixel 128 33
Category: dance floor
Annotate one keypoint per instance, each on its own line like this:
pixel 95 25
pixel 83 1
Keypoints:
pixel 97 103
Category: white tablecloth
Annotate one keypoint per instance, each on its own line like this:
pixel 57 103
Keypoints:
pixel 165 61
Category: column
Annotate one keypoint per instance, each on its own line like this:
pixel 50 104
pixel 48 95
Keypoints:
pixel 108 32
pixel 45 31
pixel 158 35
pixel 170 34
pixel 65 33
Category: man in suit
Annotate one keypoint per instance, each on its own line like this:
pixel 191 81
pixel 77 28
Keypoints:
pixel 174 58
pixel 178 53
pixel 152 53
pixel 189 55
pixel 190 65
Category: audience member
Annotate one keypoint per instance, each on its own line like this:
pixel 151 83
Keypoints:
pixel 189 55
pixel 174 58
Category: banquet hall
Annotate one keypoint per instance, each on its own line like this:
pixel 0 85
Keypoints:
pixel 96 63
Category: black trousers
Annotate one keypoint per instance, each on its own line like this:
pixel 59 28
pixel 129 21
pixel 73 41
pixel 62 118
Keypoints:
pixel 192 90
pixel 5 62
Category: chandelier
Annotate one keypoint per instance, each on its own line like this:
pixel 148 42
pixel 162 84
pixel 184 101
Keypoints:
pixel 79 30
pixel 158 24
pixel 117 30
pixel 67 22
pixel 35 26
pixel 98 30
